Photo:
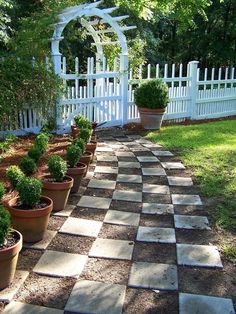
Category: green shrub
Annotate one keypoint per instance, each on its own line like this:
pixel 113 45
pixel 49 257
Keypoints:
pixel 82 122
pixel 30 190
pixel 5 223
pixel 152 94
pixel 79 142
pixel 14 175
pixel 85 135
pixel 35 153
pixel 73 154
pixel 2 190
pixel 28 165
pixel 41 142
pixel 57 167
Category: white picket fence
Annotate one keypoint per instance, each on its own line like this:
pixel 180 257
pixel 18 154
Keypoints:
pixel 106 95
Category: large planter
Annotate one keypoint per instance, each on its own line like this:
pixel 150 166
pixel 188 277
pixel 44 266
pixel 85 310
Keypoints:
pixel 8 262
pixel 91 147
pixel 31 223
pixel 151 119
pixel 57 191
pixel 86 159
pixel 77 173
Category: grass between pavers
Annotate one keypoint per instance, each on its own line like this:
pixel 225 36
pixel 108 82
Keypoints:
pixel 209 150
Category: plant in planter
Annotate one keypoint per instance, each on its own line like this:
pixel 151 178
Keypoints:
pixel 35 153
pixel 151 98
pixel 14 175
pixel 57 185
pixel 30 211
pixel 76 169
pixel 86 157
pixel 28 165
pixel 91 146
pixel 41 142
pixel 82 122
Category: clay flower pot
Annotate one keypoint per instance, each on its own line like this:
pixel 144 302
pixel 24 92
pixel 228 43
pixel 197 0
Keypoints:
pixel 74 131
pixel 86 159
pixel 8 261
pixel 57 191
pixel 32 223
pixel 91 147
pixel 151 119
pixel 77 174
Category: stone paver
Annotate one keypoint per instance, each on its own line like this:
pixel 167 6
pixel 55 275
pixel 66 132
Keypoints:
pixel 104 149
pixel 172 165
pixel 102 184
pixel 128 164
pixel 131 196
pixel 83 227
pixel 153 276
pixel 122 218
pixel 147 159
pixel 198 255
pixel 155 234
pixel 153 172
pixel 157 189
pixel 196 304
pixel 106 158
pixel 96 297
pixel 180 181
pixel 124 154
pixel 104 169
pixel 65 212
pixel 129 178
pixel 108 248
pixel 43 244
pixel 94 202
pixel 162 153
pixel 186 199
pixel 60 264
pixel 7 294
pixel 151 145
pixel 191 222
pixel 24 308
pixel 159 209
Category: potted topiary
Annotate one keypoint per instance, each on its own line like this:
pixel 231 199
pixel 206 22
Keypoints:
pixel 151 98
pixel 91 146
pixel 28 165
pixel 10 246
pixel 30 210
pixel 57 185
pixel 86 157
pixel 76 169
pixel 14 175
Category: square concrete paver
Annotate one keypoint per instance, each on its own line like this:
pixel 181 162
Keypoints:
pixel 198 255
pixel 147 159
pixel 191 222
pixel 122 218
pixel 83 227
pixel 129 164
pixel 60 264
pixel 104 169
pixel 153 172
pixel 65 212
pixel 180 181
pixel 162 153
pixel 102 184
pixel 24 308
pixel 129 178
pixel 106 158
pixel 124 154
pixel 108 248
pixel 156 234
pixel 104 149
pixel 93 297
pixel 7 294
pixel 131 196
pixel 41 245
pixel 156 189
pixel 150 145
pixel 153 276
pixel 159 209
pixel 202 304
pixel 172 165
pixel 186 199
pixel 94 202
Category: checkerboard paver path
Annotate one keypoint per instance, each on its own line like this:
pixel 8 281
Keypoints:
pixel 122 239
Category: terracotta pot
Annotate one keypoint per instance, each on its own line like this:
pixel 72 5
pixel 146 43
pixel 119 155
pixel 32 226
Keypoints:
pixel 77 173
pixel 151 119
pixel 32 223
pixel 86 159
pixel 74 131
pixel 94 125
pixel 91 147
pixel 94 137
pixel 8 262
pixel 57 191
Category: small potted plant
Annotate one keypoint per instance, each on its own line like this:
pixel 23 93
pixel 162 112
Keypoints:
pixel 57 185
pixel 76 169
pixel 10 246
pixel 28 165
pixel 14 175
pixel 86 157
pixel 30 210
pixel 91 146
pixel 151 98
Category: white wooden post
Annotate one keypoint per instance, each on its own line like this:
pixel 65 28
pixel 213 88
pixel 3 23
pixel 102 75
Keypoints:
pixel 124 87
pixel 193 88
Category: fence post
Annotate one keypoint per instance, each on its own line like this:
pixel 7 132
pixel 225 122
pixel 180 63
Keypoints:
pixel 193 88
pixel 124 87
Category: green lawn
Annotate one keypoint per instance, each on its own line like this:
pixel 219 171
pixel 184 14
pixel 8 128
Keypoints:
pixel 209 149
